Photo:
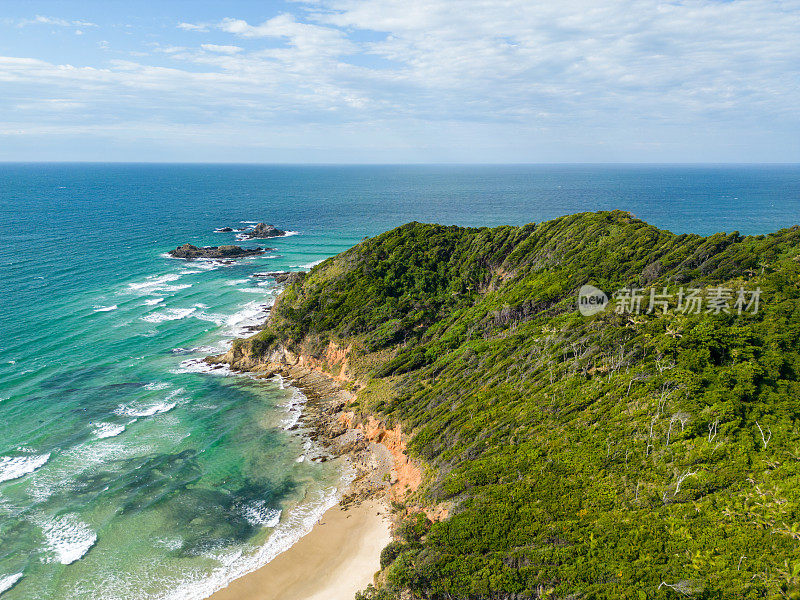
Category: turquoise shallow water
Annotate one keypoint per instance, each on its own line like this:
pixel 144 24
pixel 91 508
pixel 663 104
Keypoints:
pixel 127 470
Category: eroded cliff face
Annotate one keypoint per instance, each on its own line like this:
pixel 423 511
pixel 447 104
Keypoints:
pixel 327 374
pixel 333 362
pixel 406 476
pixel 242 358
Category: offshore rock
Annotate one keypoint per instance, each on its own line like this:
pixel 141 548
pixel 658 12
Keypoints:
pixel 188 251
pixel 262 231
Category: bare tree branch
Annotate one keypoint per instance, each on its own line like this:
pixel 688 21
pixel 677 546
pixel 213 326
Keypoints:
pixel 764 440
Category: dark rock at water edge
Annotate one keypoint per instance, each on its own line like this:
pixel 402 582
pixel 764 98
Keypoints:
pixel 287 277
pixel 190 251
pixel 262 230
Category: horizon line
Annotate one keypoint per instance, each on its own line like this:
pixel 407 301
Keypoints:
pixel 389 164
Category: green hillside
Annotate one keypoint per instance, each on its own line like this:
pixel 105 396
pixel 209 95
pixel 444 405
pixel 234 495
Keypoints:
pixel 619 455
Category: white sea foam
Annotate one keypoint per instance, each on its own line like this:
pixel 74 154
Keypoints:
pixel 140 409
pixel 290 233
pixel 107 430
pixel 87 456
pixel 154 282
pixel 206 264
pixel 171 544
pixel 153 301
pixel 78 459
pixel 149 411
pixel 294 408
pixel 14 467
pixel 211 317
pixel 258 513
pixel 252 315
pixel 211 264
pixel 156 385
pixel 286 532
pixel 7 582
pixel 170 314
pixel 68 538
pixel 310 265
pixel 176 288
pixel 198 365
pixel 105 308
pixel 196 349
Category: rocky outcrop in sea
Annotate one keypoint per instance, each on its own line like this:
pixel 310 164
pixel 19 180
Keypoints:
pixel 189 251
pixel 262 231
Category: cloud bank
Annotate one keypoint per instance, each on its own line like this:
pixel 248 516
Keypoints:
pixel 508 80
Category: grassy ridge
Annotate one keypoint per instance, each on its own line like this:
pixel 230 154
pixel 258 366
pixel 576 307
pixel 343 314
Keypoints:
pixel 612 456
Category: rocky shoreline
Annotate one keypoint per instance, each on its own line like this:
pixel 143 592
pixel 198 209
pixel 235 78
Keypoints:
pixel 281 277
pixel 372 450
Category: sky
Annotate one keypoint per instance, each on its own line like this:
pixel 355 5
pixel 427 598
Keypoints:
pixel 400 81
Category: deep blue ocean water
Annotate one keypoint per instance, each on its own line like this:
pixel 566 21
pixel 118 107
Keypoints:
pixel 128 471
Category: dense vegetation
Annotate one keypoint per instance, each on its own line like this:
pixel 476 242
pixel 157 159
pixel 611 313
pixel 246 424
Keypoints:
pixel 611 456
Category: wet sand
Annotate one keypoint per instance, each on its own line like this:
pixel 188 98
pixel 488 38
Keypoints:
pixel 336 559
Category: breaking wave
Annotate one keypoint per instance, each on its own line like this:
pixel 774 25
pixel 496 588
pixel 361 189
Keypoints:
pixel 14 467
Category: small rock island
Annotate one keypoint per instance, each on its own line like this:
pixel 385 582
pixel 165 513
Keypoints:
pixel 189 251
pixel 262 231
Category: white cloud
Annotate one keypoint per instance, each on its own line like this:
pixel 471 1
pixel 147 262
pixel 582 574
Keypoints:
pixel 48 21
pixel 51 104
pixel 169 49
pixel 193 26
pixel 42 20
pixel 221 49
pixel 304 37
pixel 633 74
pixel 578 60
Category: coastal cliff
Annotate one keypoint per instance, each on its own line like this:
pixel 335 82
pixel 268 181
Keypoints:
pixel 331 389
pixel 589 407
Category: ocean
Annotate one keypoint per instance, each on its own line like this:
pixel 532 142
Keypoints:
pixel 130 470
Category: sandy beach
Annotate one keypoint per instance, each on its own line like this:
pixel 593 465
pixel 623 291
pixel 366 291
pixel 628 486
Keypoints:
pixel 335 560
pixel 341 554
